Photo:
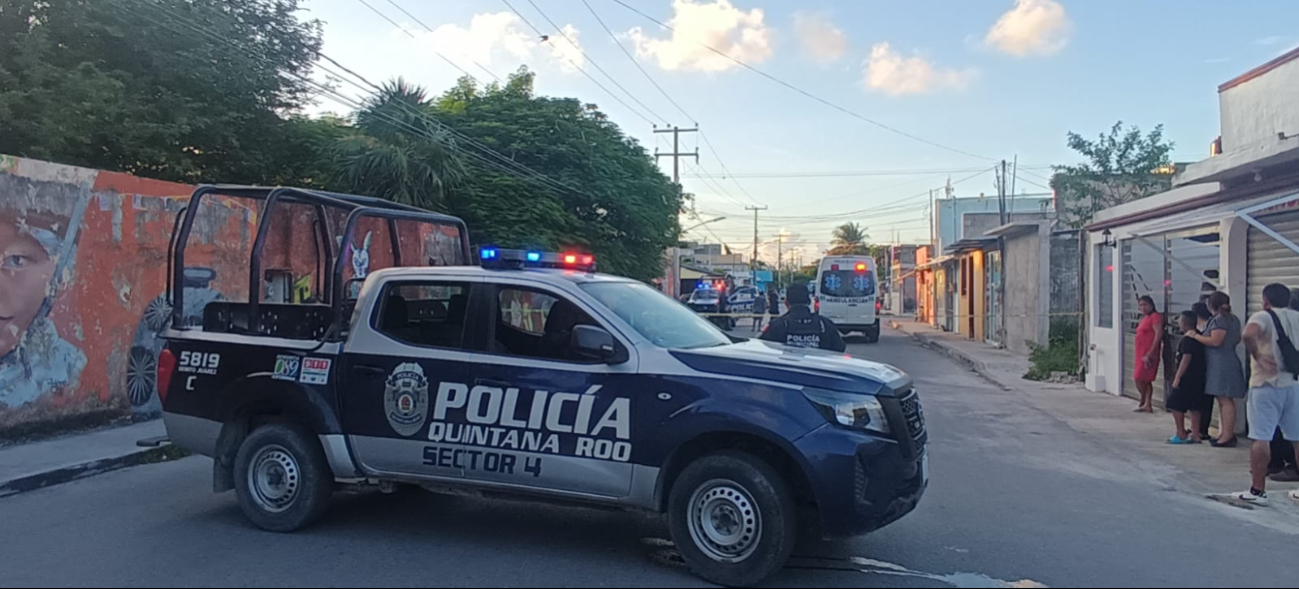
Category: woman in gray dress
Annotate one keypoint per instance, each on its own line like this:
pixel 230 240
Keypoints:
pixel 1226 375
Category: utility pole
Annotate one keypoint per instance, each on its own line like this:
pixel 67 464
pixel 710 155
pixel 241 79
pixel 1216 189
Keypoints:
pixel 780 256
pixel 753 266
pixel 676 154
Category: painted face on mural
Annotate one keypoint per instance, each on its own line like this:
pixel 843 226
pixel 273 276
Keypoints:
pixel 26 269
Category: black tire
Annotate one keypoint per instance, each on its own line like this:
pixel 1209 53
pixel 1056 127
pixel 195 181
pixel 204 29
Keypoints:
pixel 736 480
pixel 297 457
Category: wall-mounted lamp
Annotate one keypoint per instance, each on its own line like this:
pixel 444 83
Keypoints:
pixel 1107 239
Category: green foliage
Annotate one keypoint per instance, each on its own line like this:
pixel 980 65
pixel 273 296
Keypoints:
pixel 1122 166
pixel 849 239
pixel 123 85
pixel 396 151
pixel 616 203
pixel 1060 355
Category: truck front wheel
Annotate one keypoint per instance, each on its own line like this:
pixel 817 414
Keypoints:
pixel 733 519
pixel 282 478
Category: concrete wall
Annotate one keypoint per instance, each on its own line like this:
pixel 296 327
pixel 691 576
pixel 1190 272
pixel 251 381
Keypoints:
pixel 1255 108
pixel 1025 271
pixel 947 221
pixel 84 296
pixel 979 224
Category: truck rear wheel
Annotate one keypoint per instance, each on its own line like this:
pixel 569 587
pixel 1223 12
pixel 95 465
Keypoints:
pixel 282 478
pixel 733 519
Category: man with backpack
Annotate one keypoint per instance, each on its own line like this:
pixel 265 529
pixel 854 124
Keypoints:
pixel 1272 339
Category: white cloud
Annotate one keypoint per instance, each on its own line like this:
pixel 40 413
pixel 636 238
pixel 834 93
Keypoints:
pixel 720 25
pixel 892 73
pixel 1269 41
pixel 1032 27
pixel 821 40
pixel 492 36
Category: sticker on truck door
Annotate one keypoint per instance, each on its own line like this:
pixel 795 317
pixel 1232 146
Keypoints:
pixel 315 371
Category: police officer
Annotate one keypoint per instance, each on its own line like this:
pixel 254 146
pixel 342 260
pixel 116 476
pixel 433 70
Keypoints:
pixel 801 328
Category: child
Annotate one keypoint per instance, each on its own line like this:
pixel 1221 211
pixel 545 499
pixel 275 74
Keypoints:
pixel 1188 386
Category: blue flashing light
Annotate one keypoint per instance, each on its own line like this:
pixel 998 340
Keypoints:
pixel 488 253
pixel 534 256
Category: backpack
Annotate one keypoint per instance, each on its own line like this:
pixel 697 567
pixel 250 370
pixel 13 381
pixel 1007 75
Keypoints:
pixel 1289 354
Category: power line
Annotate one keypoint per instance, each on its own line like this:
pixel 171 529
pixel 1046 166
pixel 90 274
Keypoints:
pixel 857 173
pixel 430 29
pixel 618 42
pixel 560 30
pixel 346 101
pixel 412 35
pixel 579 67
pixel 809 94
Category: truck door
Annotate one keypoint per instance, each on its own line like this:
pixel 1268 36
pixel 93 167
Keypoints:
pixel 412 342
pixel 533 412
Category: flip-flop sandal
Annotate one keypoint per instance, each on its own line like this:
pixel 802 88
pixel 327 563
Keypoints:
pixel 1176 441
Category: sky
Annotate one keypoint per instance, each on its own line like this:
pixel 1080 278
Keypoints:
pixel 918 93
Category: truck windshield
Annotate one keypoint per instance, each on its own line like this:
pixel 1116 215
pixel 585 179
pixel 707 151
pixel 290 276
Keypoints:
pixel 663 321
pixel 847 284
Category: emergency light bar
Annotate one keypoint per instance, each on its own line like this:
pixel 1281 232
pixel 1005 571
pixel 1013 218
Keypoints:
pixel 497 258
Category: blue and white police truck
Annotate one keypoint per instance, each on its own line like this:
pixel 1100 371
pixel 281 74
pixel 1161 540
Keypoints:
pixel 529 375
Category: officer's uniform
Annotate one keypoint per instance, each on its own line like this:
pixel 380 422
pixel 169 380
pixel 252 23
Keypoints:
pixel 803 329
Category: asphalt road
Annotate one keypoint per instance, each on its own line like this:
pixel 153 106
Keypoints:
pixel 1017 499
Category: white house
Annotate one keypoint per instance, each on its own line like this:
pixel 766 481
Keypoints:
pixel 1231 223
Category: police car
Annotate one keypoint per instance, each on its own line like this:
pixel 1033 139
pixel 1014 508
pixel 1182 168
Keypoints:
pixel 530 375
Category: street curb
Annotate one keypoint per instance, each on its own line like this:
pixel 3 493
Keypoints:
pixel 967 360
pixel 84 470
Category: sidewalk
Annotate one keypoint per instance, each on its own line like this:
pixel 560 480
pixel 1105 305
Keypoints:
pixel 27 467
pixel 1108 420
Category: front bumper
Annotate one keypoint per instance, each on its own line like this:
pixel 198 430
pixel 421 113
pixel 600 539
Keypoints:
pixel 863 482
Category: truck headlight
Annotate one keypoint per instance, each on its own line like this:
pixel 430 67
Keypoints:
pixel 850 410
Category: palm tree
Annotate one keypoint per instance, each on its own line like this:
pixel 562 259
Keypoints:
pixel 849 239
pixel 398 151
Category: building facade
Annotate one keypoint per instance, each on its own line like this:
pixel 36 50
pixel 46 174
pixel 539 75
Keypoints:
pixel 1230 223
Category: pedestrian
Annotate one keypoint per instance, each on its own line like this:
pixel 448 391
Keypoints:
pixel 801 328
pixel 773 302
pixel 1285 466
pixel 1188 394
pixel 1271 337
pixel 1202 316
pixel 1148 349
pixel 759 311
pixel 1226 378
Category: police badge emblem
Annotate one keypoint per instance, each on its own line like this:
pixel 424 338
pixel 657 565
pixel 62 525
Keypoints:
pixel 405 399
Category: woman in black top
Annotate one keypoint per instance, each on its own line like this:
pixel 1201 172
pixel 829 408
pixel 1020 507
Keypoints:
pixel 1188 394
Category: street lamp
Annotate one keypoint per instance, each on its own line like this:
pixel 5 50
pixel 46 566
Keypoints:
pixel 698 225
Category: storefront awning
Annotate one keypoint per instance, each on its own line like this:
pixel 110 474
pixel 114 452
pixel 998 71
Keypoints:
pixel 1209 215
pixel 970 244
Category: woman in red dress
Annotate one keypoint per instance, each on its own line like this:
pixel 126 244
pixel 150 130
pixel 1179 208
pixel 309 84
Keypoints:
pixel 1149 350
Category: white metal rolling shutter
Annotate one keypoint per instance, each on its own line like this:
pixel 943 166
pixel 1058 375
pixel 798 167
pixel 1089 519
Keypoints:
pixel 1269 260
pixel 1144 272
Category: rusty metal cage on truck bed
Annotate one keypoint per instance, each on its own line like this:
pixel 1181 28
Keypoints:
pixel 313 319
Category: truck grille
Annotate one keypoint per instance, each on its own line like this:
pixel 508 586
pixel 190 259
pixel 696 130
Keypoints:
pixel 914 416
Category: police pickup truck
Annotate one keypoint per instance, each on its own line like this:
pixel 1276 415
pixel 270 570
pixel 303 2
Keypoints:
pixel 527 375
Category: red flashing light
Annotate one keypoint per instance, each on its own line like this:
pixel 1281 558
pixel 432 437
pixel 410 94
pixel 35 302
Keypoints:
pixel 861 266
pixel 1109 268
pixel 588 260
pixel 834 267
pixel 570 259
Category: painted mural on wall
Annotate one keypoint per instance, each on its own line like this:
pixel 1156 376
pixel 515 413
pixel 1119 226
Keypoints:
pixel 38 241
pixel 83 275
pixel 82 261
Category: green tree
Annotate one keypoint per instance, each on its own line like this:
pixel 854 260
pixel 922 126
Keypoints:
pixel 611 198
pixel 1122 166
pixel 128 85
pixel 849 239
pixel 397 150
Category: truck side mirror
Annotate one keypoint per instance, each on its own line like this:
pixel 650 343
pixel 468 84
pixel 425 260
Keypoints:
pixel 594 343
